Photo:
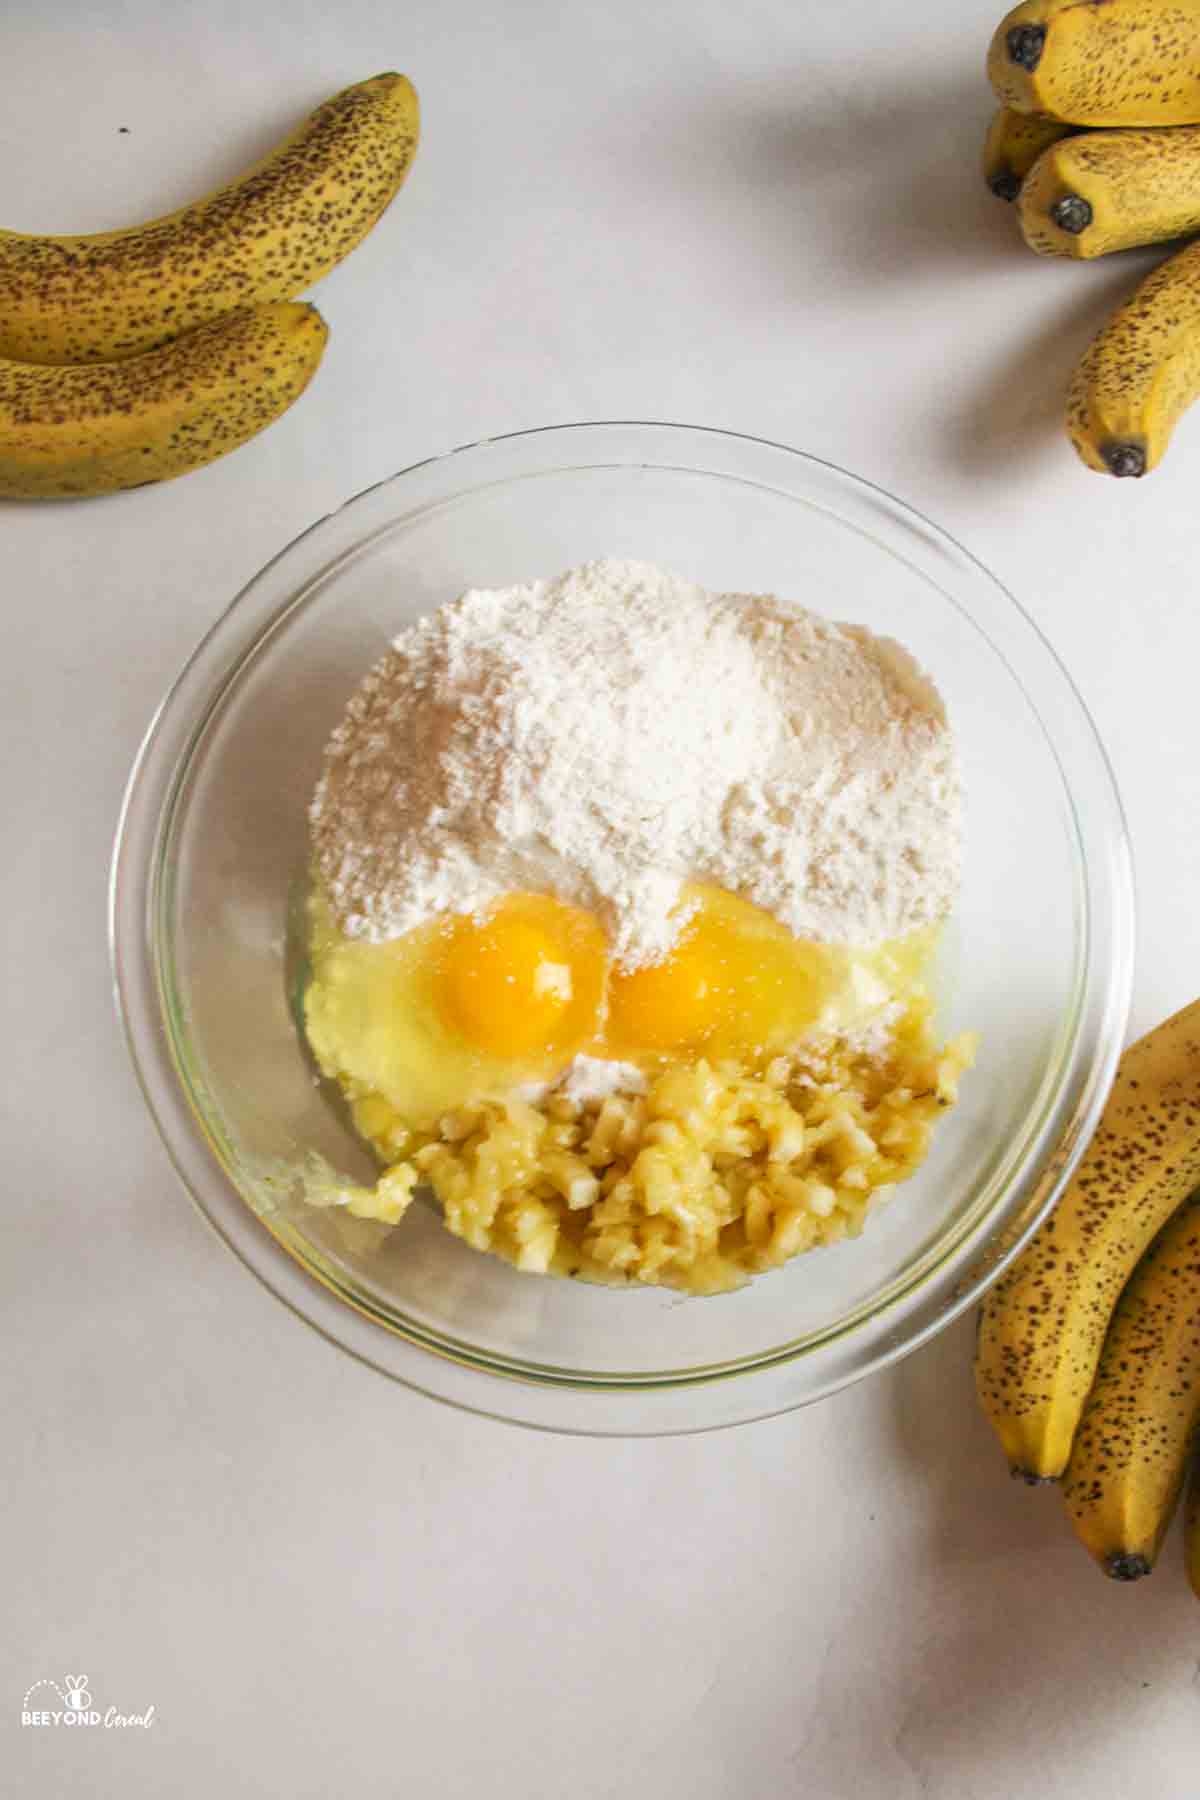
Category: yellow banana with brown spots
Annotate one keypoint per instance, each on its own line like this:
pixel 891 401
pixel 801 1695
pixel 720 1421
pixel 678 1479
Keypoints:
pixel 66 433
pixel 1102 191
pixel 1100 62
pixel 1013 144
pixel 1131 1449
pixel 268 236
pixel 1043 1324
pixel 1140 373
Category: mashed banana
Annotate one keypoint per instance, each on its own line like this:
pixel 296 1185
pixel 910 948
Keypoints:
pixel 712 1175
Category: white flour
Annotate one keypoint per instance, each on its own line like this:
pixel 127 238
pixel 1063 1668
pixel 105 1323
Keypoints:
pixel 612 733
pixel 586 1078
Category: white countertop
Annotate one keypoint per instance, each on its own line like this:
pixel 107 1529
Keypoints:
pixel 767 218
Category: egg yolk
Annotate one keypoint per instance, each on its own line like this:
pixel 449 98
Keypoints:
pixel 735 983
pixel 674 1003
pixel 522 980
pixel 526 984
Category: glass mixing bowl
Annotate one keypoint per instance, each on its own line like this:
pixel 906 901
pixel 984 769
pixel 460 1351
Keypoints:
pixel 212 847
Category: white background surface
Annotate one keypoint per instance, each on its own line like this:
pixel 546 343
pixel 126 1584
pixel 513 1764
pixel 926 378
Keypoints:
pixel 765 217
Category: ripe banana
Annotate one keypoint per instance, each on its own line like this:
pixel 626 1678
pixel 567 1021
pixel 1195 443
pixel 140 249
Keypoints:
pixel 1110 190
pixel 1013 144
pixel 1192 1530
pixel 92 429
pixel 1100 62
pixel 1043 1323
pixel 1141 373
pixel 287 222
pixel 1131 1449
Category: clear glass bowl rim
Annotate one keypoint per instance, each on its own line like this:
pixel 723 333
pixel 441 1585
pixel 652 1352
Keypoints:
pixel 625 1407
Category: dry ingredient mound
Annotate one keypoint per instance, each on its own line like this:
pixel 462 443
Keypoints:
pixel 615 732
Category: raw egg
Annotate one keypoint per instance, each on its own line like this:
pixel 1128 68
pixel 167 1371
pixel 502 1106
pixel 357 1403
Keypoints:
pixel 477 1006
pixel 523 980
pixel 735 981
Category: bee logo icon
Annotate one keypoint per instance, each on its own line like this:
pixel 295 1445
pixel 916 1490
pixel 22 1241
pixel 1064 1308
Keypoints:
pixel 77 1696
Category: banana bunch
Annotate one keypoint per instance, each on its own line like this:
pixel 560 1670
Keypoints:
pixel 134 356
pixel 1088 1355
pixel 1097 141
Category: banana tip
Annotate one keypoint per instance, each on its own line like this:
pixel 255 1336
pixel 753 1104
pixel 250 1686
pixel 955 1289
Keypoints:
pixel 1031 1478
pixel 1024 44
pixel 1072 213
pixel 1124 459
pixel 1127 1565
